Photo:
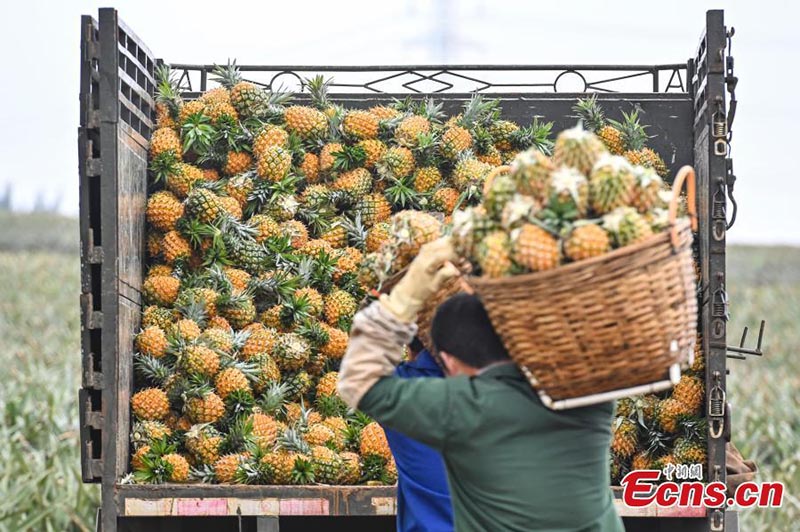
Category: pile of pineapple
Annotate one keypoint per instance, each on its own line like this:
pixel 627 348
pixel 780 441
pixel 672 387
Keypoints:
pixel 269 222
pixel 263 217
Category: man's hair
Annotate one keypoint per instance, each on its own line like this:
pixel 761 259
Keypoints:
pixel 462 328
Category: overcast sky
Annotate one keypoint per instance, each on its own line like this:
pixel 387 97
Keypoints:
pixel 39 46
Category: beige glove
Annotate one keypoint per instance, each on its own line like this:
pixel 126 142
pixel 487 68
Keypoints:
pixel 426 274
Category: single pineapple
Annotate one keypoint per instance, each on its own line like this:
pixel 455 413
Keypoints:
pixel 161 289
pixel 200 360
pixel 688 451
pixel 229 380
pixel 155 316
pixel 373 149
pixel 274 163
pixel 646 190
pixel 351 468
pixel 309 167
pixel 269 136
pixel 586 241
pixel 204 205
pixel 469 174
pixel 226 466
pixel 532 171
pixel 183 179
pixel 534 248
pixel 669 412
pixel 445 199
pixel 396 162
pixel 690 391
pixel 327 158
pixel 328 465
pixel 340 307
pixel 204 442
pixel 360 125
pixel 306 122
pixel 207 408
pixel 237 162
pixel 611 184
pixel 578 149
pixel 178 466
pixel 373 442
pixel 265 430
pixel 494 254
pixel 374 208
pixel 319 434
pixel 145 433
pixel 152 341
pixel 356 182
pixel 625 437
pixel 165 140
pixel 569 194
pixel 336 345
pixel 502 132
pixel 627 226
pixel 150 404
pixel 175 247
pixel 648 158
pixel 291 352
pixel 427 178
pixel 455 140
pixel 409 130
pixel 164 210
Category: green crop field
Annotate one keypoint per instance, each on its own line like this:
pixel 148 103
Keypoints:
pixel 40 487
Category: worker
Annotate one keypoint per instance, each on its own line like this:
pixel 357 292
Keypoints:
pixel 512 464
pixel 423 499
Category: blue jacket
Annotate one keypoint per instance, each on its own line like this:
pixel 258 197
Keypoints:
pixel 423 498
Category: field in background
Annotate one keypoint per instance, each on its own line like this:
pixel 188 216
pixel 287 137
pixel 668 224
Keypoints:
pixel 40 485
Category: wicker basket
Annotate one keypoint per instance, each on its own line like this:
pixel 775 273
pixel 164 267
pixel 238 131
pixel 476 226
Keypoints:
pixel 608 327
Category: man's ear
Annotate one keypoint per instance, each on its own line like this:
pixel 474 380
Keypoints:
pixel 450 363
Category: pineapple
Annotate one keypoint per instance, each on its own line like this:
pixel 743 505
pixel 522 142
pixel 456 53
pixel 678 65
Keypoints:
pixel 412 230
pixel 308 123
pixel 328 465
pixel 326 156
pixel 178 466
pixel 374 150
pixel 281 465
pixel 494 255
pixel 207 408
pixel 534 248
pixel 374 208
pixel 155 316
pixel 445 199
pixel 259 341
pixel 625 437
pixel 237 162
pixel 396 162
pixel 611 184
pixel 532 170
pixel 174 247
pixel 217 338
pixel 145 433
pixel 626 226
pixel 340 307
pixel 502 132
pixel 688 451
pixel 319 434
pixel 641 461
pixel 150 404
pixel 165 140
pixel 690 392
pixel 268 137
pixel 373 442
pixel 469 174
pixel 164 210
pixel 586 241
pixel 274 163
pixel 183 179
pixel 409 130
pixel 239 187
pixel 646 190
pixel 226 466
pixel 200 360
pixel 356 182
pixel 296 231
pixel 309 167
pixel 266 227
pixel 315 302
pixel 297 384
pixel 231 206
pixel 351 468
pixel 291 352
pixel 360 125
pixel 427 178
pixel 377 235
pixel 268 372
pixel 336 345
pixel 204 442
pixel 265 430
pixel 569 196
pixel 326 385
pixel 383 112
pixel 578 148
pixel 137 460
pixel 230 380
pixel 498 193
pixel 186 330
pixel 152 341
pixel 203 205
pixel 669 412
pixel 455 140
pixel 161 289
pixel 648 158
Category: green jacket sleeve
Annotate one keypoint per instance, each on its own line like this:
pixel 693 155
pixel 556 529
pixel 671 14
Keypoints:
pixel 419 408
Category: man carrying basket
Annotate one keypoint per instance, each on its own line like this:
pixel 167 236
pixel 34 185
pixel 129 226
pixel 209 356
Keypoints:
pixel 512 464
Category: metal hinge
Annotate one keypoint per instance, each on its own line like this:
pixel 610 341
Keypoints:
pixel 739 352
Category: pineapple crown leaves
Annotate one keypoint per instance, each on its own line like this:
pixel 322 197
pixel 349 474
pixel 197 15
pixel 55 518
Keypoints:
pixel 348 158
pixel 633 132
pixel 292 440
pixel 331 406
pixel 314 332
pixel 198 134
pixel 316 217
pixel 401 193
pixel 273 399
pixel 590 113
pixel 692 427
pixel 168 92
pixel 318 88
pixel 304 471
pixel 239 435
pixel 227 75
pixel 203 473
pixel 253 471
pixel 426 152
pixel 430 110
pixel 373 468
pixel 537 135
pixel 238 406
pixel 193 387
pixel 153 370
pixel 478 112
pixel 192 308
pixel 163 166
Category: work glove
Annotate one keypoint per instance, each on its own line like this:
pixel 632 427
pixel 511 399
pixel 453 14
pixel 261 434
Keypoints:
pixel 427 273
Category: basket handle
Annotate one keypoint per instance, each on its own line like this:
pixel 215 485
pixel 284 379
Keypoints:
pixel 496 171
pixel 685 175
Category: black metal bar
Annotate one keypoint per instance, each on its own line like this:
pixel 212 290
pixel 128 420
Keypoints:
pixel 385 68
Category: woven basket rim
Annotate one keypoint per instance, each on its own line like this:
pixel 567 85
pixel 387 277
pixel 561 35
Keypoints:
pixel 656 240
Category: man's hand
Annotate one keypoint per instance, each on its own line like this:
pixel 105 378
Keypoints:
pixel 426 274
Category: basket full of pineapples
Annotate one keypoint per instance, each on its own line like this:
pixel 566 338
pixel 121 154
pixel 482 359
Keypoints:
pixel 585 267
